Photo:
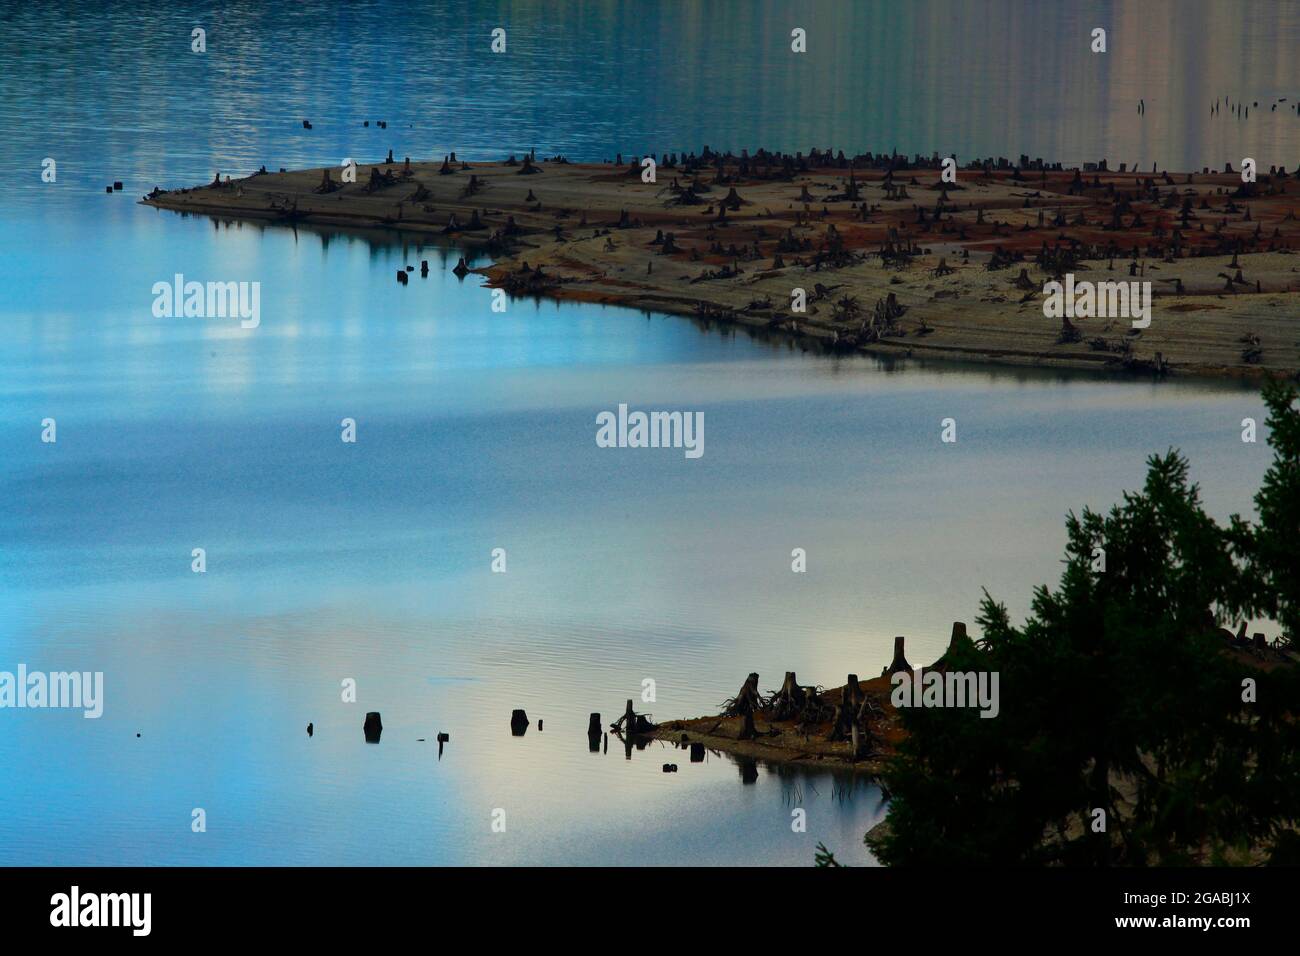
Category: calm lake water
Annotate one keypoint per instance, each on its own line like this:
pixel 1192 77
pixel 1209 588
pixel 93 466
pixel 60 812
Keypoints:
pixel 475 430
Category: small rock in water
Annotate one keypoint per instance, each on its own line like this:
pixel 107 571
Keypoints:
pixel 309 729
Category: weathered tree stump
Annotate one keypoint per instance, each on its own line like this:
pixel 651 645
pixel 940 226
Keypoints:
pixel 632 723
pixel 789 701
pixel 327 185
pixel 747 729
pixel 846 711
pixel 959 639
pixel 900 661
pixel 851 693
pixel 747 698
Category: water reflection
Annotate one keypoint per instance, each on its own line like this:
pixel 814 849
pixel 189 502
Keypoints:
pixel 476 428
pixel 590 79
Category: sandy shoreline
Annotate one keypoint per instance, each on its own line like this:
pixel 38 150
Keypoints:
pixel 892 262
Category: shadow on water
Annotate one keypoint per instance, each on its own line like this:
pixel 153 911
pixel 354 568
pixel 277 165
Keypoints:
pixel 797 782
pixel 380 239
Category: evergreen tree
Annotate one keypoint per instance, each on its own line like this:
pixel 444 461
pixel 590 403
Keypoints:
pixel 1124 734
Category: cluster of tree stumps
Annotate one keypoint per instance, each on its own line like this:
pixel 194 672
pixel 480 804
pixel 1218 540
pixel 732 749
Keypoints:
pixel 850 714
pixel 857 725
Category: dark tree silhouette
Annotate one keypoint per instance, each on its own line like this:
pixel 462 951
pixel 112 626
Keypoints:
pixel 1121 694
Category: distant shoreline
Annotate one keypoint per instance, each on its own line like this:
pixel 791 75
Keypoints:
pixel 893 262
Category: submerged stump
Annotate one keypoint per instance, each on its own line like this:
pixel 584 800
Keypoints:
pixel 373 727
pixel 518 722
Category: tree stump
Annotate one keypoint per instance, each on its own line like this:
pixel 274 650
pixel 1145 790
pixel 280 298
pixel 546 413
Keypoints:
pixel 632 723
pixel 789 701
pixel 747 729
pixel 846 711
pixel 900 661
pixel 518 723
pixel 959 639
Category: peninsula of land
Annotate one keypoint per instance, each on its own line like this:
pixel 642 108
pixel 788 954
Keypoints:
pixel 859 726
pixel 871 253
